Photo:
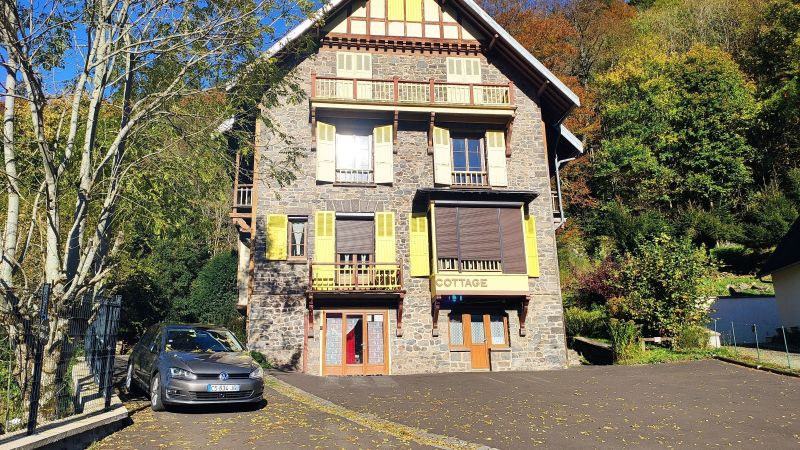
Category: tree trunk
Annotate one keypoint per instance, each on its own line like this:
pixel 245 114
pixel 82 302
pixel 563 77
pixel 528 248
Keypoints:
pixel 8 259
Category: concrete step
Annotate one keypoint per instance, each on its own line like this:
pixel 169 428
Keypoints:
pixel 573 358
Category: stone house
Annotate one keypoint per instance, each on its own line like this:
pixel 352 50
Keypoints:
pixel 419 235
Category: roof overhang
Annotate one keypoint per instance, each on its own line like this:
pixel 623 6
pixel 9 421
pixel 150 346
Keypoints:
pixel 786 254
pixel 569 146
pixel 558 98
pixel 475 197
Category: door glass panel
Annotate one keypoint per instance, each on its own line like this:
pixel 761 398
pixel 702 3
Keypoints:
pixel 477 332
pixel 456 330
pixel 497 327
pixel 375 338
pixel 355 339
pixel 333 339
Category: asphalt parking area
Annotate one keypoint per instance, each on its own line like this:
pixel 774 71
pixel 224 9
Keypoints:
pixel 690 404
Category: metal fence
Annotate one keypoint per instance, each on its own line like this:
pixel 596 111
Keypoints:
pixel 58 360
pixel 779 346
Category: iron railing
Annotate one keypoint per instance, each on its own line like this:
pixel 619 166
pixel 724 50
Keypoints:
pixel 396 91
pixel 332 277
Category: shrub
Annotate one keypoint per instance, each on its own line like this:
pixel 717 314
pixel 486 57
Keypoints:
pixel 580 322
pixel 261 359
pixel 625 337
pixel 690 337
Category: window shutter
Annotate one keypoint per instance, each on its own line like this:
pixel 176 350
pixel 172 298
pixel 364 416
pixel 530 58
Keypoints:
pixel 531 249
pixel 355 236
pixel 463 70
pixel 277 236
pixel 442 161
pixel 324 248
pixel 446 231
pixel 513 240
pixel 496 158
pixel 413 10
pixel 396 10
pixel 384 238
pixel 478 234
pixel 353 65
pixel 384 154
pixel 418 232
pixel 326 152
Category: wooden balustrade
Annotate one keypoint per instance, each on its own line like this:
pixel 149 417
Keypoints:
pixel 468 265
pixel 556 205
pixel 243 196
pixel 465 178
pixel 348 277
pixel 396 91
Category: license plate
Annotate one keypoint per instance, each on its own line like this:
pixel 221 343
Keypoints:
pixel 223 388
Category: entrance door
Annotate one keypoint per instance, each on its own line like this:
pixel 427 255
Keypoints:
pixel 355 343
pixel 479 348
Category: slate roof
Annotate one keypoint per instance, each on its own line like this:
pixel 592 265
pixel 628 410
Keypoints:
pixel 787 252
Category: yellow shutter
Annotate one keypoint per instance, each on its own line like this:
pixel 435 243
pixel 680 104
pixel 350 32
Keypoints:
pixel 442 164
pixel 496 158
pixel 396 10
pixel 413 10
pixel 384 154
pixel 384 238
pixel 277 236
pixel 418 232
pixel 531 247
pixel 326 152
pixel 324 249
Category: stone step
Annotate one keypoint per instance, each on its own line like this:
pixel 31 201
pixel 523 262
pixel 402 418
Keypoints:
pixel 573 358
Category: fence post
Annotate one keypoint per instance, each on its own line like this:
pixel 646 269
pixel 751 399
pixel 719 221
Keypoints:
pixel 733 332
pixel 33 406
pixel 786 346
pixel 758 350
pixel 112 321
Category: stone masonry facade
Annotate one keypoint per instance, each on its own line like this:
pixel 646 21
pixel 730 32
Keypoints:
pixel 277 307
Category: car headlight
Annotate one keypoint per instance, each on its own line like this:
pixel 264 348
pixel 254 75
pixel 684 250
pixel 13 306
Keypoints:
pixel 258 372
pixel 181 374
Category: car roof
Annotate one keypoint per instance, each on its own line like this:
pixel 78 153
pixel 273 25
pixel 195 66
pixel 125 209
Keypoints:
pixel 185 326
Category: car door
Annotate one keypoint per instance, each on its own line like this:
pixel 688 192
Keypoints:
pixel 149 358
pixel 139 350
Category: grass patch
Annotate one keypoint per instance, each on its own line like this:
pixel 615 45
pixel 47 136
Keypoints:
pixel 732 354
pixel 727 284
pixel 655 354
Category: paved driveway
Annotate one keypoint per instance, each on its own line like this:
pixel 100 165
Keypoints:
pixel 698 404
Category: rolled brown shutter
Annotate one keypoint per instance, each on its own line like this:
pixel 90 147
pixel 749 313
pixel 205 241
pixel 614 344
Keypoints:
pixel 513 240
pixel 446 232
pixel 355 236
pixel 479 234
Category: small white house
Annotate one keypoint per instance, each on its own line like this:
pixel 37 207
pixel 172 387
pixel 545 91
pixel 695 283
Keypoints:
pixel 784 266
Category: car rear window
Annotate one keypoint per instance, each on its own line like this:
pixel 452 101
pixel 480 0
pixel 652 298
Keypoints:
pixel 201 341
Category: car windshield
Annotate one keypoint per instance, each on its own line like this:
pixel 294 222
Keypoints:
pixel 201 341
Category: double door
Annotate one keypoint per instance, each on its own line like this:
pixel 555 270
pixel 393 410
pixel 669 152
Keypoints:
pixel 355 343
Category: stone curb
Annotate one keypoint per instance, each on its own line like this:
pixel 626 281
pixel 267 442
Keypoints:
pixel 371 421
pixel 55 432
pixel 757 366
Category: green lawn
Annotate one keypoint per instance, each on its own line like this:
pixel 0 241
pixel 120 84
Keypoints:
pixel 726 284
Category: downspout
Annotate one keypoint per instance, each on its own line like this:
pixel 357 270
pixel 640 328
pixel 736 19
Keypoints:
pixel 558 163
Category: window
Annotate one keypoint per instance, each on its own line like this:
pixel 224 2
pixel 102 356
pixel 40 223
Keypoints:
pixel 297 237
pixel 479 328
pixel 353 157
pixel 468 161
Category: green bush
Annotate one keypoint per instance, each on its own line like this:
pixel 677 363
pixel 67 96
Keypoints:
pixel 690 337
pixel 625 337
pixel 261 359
pixel 580 322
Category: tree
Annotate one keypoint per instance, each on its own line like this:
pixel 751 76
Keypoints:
pixel 664 281
pixel 674 130
pixel 87 138
pixel 213 294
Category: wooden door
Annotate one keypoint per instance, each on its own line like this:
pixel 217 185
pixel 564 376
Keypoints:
pixel 355 343
pixel 478 345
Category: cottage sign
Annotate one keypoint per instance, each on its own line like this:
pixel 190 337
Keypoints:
pixel 500 284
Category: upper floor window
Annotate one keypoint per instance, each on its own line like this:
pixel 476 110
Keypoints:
pixel 354 156
pixel 297 237
pixel 468 161
pixel 355 153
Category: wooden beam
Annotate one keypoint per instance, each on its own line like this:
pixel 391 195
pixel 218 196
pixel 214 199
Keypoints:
pixel 435 305
pixel 509 129
pixel 493 41
pixel 542 89
pixel 394 130
pixel 400 315
pixel 310 306
pixel 430 133
pixel 313 128
pixel 523 315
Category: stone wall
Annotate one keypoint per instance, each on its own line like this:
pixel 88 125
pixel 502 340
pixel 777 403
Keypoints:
pixel 278 303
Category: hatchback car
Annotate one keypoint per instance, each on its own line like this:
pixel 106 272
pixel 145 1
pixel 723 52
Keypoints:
pixel 194 364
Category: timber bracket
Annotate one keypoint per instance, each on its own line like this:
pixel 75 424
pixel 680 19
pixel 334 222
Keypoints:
pixel 523 315
pixel 436 304
pixel 400 315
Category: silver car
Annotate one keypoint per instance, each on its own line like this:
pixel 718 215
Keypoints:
pixel 194 364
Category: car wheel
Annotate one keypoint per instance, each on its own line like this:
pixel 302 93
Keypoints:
pixel 129 383
pixel 156 400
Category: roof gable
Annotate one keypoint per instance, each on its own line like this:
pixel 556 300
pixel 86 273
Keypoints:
pixel 787 252
pixel 554 95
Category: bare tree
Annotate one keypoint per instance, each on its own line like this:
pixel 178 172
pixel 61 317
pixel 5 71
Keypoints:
pixel 135 61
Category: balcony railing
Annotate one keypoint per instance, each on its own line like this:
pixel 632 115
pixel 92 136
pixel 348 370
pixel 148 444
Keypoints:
pixel 556 205
pixel 468 265
pixel 375 277
pixel 463 178
pixel 353 176
pixel 243 197
pixel 396 91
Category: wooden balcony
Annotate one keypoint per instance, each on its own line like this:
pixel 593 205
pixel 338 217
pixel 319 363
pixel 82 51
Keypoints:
pixel 243 196
pixel 454 265
pixel 397 94
pixel 359 277
pixel 555 204
pixel 464 178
